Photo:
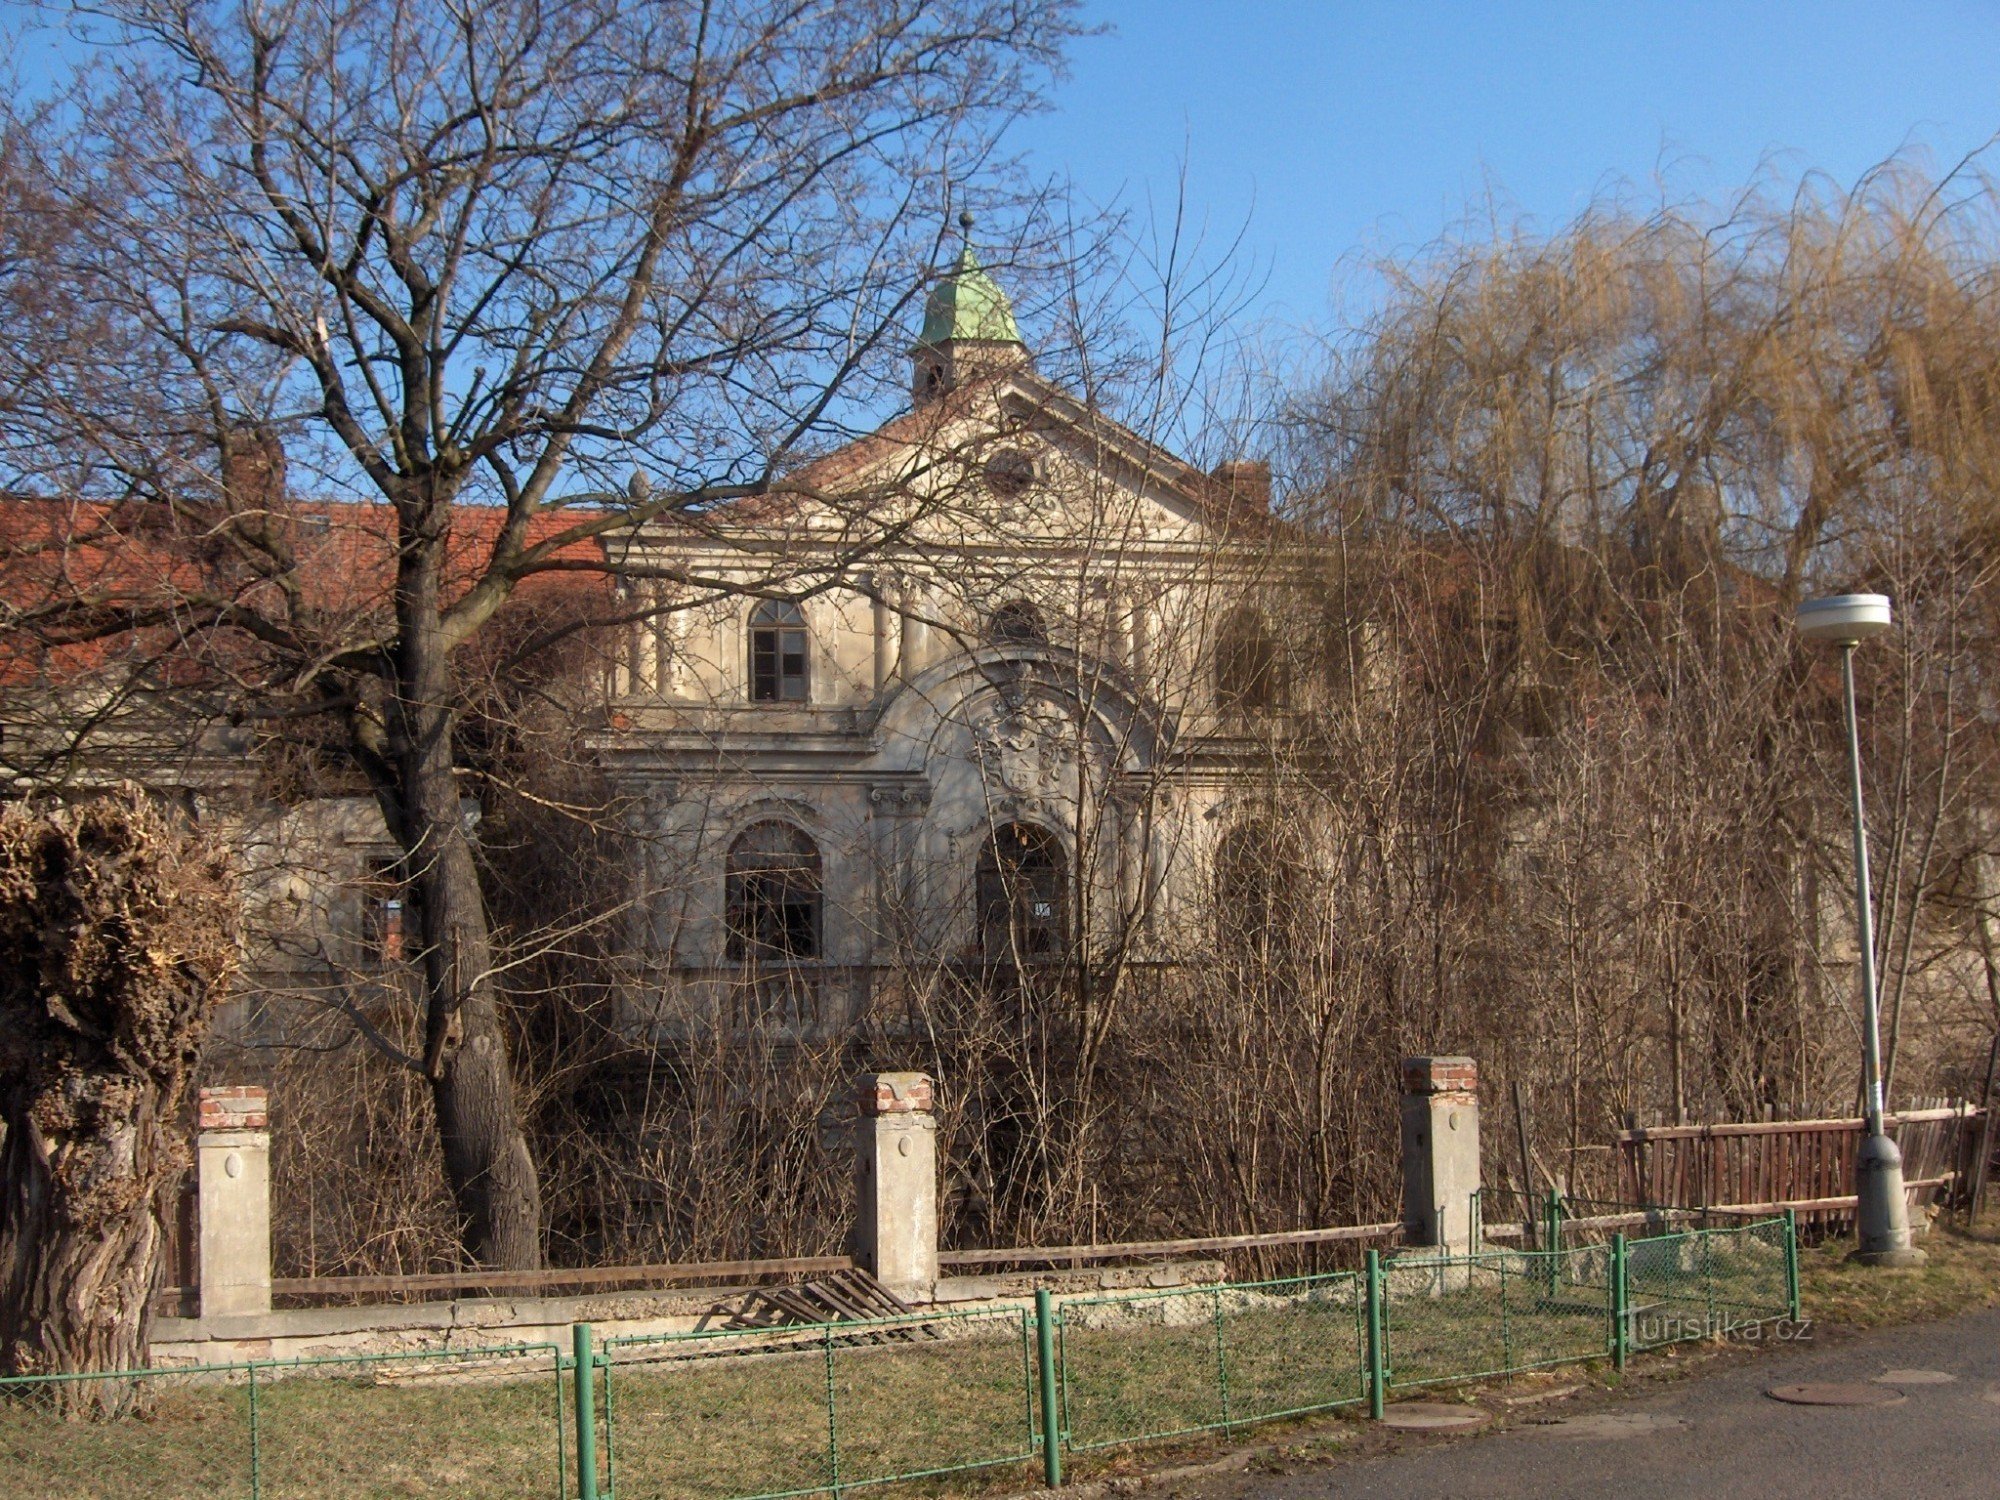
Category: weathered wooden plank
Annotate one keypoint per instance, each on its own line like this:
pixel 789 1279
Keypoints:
pixel 519 1281
pixel 1132 1248
pixel 1817 1205
pixel 1780 1127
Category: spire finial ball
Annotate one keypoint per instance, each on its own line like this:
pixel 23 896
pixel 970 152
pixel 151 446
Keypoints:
pixel 966 221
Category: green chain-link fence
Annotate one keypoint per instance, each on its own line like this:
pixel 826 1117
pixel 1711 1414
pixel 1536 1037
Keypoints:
pixel 1706 1283
pixel 175 1435
pixel 808 1411
pixel 756 1414
pixel 477 1421
pixel 1157 1364
pixel 1494 1313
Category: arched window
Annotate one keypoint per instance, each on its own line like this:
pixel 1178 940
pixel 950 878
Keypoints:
pixel 1020 893
pixel 773 894
pixel 1017 623
pixel 778 672
pixel 1248 674
pixel 1256 867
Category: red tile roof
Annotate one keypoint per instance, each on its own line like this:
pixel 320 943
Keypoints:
pixel 134 569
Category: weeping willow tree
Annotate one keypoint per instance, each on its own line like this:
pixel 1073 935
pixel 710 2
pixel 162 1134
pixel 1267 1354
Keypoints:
pixel 1575 483
pixel 117 936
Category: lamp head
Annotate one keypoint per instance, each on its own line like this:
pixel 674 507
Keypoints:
pixel 1843 619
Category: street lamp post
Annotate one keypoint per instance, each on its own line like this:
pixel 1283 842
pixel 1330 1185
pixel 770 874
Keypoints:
pixel 1882 1211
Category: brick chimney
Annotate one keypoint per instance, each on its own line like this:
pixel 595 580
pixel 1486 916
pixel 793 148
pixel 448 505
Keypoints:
pixel 253 465
pixel 1247 481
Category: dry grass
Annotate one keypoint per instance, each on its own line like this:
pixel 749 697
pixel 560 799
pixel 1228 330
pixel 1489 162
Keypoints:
pixel 359 1431
pixel 1963 1273
pixel 747 1414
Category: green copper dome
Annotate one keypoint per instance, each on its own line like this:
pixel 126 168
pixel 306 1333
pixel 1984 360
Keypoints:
pixel 968 304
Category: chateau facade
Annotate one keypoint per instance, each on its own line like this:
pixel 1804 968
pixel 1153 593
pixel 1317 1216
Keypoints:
pixel 982 692
pixel 1015 734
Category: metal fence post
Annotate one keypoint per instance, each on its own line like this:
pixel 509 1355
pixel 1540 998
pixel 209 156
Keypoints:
pixel 1045 1373
pixel 256 1441
pixel 832 1416
pixel 1621 1303
pixel 1793 1309
pixel 1708 1283
pixel 1221 1360
pixel 1551 1238
pixel 1378 1364
pixel 586 1412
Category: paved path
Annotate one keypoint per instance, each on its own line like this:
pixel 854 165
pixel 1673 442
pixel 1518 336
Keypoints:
pixel 1718 1436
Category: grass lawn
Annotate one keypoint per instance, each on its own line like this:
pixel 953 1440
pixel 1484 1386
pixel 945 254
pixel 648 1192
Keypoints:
pixel 1963 1273
pixel 1173 1362
pixel 746 1414
pixel 350 1431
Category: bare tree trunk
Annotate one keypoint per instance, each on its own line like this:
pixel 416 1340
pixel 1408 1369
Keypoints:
pixel 80 1270
pixel 487 1163
pixel 116 932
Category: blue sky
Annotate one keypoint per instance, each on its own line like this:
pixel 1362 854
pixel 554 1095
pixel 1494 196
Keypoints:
pixel 1346 128
pixel 1326 131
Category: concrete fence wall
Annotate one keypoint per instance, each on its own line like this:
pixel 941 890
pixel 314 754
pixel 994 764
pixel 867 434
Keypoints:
pixel 895 1234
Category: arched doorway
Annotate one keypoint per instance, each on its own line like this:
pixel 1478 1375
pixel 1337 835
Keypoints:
pixel 773 895
pixel 1020 892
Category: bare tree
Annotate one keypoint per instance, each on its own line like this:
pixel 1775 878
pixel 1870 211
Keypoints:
pixel 449 258
pixel 1589 474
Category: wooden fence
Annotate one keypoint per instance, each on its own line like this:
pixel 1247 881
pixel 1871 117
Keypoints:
pixel 1806 1164
pixel 702 1276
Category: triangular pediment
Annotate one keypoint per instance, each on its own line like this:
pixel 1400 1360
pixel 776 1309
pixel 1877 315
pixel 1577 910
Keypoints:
pixel 1016 456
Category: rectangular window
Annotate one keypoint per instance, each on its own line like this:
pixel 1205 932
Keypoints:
pixel 777 665
pixel 792 665
pixel 764 666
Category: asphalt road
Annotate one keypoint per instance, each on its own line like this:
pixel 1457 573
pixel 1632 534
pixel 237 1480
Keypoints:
pixel 1718 1435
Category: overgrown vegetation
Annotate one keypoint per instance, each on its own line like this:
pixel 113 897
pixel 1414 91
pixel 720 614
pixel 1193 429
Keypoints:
pixel 1544 776
pixel 1524 758
pixel 508 281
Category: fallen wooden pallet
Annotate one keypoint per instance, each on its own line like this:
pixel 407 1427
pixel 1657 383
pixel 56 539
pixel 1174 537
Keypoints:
pixel 849 1296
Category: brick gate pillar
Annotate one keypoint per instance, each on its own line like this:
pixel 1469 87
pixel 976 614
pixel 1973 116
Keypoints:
pixel 1440 1151
pixel 233 1174
pixel 896 1183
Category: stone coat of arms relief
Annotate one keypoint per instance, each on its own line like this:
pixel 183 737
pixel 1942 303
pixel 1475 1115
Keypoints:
pixel 1027 746
pixel 1023 747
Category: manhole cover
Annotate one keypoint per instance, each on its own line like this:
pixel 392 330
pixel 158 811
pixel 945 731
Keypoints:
pixel 1431 1416
pixel 1614 1424
pixel 1915 1377
pixel 1836 1395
